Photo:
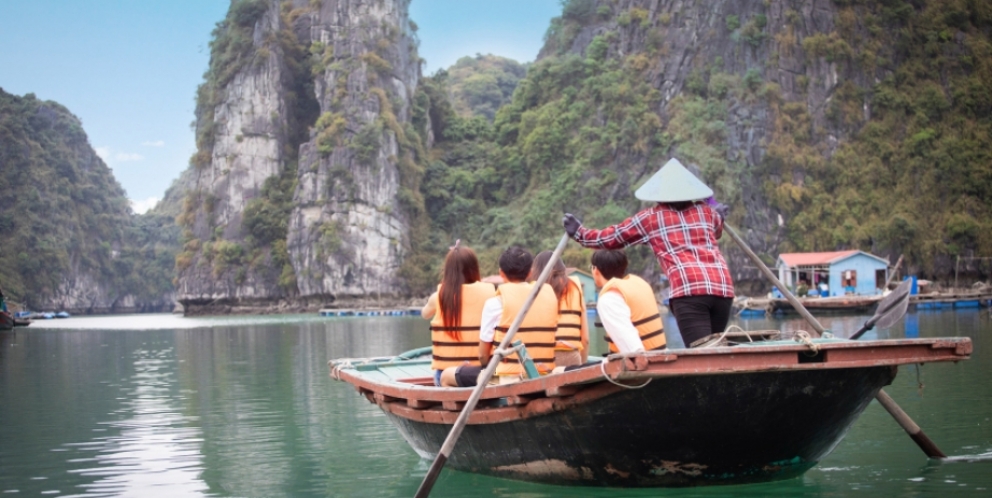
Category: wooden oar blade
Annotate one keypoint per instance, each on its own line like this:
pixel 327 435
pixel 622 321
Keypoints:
pixel 898 301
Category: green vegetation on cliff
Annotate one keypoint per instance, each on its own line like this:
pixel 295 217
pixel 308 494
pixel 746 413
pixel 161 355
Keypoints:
pixel 480 85
pixel 64 216
pixel 915 174
pixel 910 171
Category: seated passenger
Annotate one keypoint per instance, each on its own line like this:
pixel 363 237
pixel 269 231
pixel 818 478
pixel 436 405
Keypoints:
pixel 537 331
pixel 455 311
pixel 572 336
pixel 626 305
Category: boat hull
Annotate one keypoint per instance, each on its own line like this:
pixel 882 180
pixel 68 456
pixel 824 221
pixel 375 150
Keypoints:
pixel 676 431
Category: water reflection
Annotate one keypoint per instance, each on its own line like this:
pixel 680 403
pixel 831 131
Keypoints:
pixel 153 446
pixel 244 406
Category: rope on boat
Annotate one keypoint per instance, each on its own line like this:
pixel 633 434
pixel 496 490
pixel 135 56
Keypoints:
pixel 804 337
pixel 720 339
pixel 602 368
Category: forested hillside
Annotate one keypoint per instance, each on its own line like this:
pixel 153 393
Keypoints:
pixel 825 125
pixel 69 238
pixel 480 85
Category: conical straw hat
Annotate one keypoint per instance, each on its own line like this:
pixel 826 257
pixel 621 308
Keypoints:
pixel 673 183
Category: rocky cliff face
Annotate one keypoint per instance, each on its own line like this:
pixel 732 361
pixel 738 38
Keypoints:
pixel 348 229
pixel 243 141
pixel 316 103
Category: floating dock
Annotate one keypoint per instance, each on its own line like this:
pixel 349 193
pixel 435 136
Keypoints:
pixel 949 300
pixel 370 312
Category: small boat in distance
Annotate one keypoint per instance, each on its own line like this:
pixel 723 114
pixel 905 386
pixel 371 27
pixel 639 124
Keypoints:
pixel 756 306
pixel 8 321
pixel 730 414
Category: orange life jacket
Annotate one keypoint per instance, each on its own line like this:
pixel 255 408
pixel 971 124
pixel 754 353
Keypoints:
pixel 571 316
pixel 643 310
pixel 537 331
pixel 449 351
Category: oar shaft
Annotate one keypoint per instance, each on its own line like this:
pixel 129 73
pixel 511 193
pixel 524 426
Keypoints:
pixel 895 271
pixel 473 400
pixel 914 431
pixel 771 276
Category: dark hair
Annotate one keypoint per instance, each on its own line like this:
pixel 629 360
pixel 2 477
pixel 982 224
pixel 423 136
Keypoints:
pixel 558 280
pixel 612 264
pixel 460 267
pixel 515 263
pixel 681 205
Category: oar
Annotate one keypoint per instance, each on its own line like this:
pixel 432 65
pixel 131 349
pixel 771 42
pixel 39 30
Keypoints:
pixel 456 430
pixel 889 311
pixel 914 431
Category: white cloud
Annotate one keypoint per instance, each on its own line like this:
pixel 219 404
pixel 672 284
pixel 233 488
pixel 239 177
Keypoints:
pixel 109 156
pixel 154 143
pixel 142 207
pixel 126 156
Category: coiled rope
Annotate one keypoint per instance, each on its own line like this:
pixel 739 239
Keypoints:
pixel 602 368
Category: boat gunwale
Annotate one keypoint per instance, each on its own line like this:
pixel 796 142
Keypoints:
pixel 836 354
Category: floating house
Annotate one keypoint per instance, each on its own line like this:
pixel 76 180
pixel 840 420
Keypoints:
pixel 842 272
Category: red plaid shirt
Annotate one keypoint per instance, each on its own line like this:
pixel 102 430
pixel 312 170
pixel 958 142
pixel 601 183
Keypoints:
pixel 683 241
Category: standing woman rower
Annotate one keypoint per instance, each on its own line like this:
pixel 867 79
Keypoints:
pixel 682 230
pixel 455 311
pixel 572 336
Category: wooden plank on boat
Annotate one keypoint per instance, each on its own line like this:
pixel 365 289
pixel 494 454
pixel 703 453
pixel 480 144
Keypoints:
pixel 453 406
pixel 385 398
pixel 559 391
pixel 420 404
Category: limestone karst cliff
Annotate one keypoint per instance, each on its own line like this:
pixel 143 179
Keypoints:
pixel 328 169
pixel 305 156
pixel 357 173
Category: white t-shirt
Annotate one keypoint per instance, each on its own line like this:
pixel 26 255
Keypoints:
pixel 615 315
pixel 492 311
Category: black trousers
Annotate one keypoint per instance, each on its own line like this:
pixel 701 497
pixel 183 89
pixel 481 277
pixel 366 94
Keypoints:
pixel 700 316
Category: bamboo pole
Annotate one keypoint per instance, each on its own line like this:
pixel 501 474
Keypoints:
pixel 914 431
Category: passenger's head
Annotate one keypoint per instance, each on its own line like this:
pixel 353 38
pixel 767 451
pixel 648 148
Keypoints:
pixel 460 267
pixel 610 264
pixel 515 263
pixel 556 279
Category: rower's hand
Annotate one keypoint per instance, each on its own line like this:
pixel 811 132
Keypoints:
pixel 571 224
pixel 722 209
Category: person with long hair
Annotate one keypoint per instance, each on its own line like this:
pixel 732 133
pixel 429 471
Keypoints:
pixel 455 311
pixel 682 229
pixel 572 335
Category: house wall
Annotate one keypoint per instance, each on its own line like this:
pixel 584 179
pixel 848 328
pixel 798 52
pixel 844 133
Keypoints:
pixel 865 267
pixel 588 286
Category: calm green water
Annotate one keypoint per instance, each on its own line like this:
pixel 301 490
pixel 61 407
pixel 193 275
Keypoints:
pixel 158 405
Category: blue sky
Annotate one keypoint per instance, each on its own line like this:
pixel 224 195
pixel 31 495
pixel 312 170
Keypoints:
pixel 129 69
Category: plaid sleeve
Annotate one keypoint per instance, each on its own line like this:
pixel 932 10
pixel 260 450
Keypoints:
pixel 633 230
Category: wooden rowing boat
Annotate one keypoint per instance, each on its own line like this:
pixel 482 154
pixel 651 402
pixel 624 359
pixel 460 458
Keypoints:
pixel 685 417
